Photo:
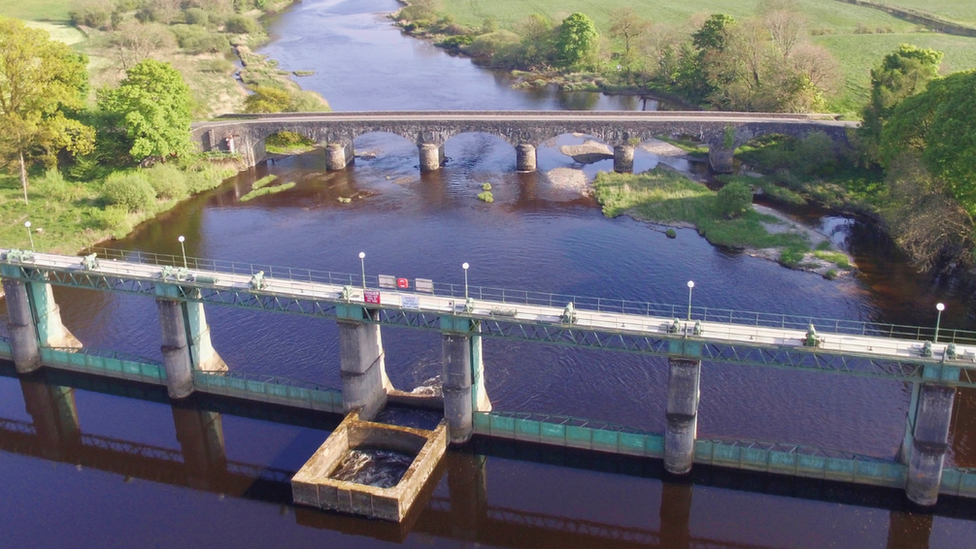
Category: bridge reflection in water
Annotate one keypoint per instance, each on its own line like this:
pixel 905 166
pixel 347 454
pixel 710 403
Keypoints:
pixel 455 508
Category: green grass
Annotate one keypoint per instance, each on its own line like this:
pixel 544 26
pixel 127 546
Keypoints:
pixel 837 258
pixel 72 215
pixel 61 32
pixel 960 11
pixel 837 16
pixel 664 196
pixel 691 147
pixel 859 53
pixel 35 10
pixel 262 191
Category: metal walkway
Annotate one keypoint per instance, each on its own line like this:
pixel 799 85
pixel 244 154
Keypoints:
pixel 782 341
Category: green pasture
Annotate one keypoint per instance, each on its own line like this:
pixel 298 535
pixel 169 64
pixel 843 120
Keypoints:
pixel 960 11
pixel 830 14
pixel 859 53
pixel 35 10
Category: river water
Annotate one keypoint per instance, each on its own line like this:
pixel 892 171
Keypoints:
pixel 539 234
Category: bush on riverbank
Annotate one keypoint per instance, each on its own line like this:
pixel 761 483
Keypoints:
pixel 665 196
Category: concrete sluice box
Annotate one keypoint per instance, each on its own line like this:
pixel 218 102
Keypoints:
pixel 318 483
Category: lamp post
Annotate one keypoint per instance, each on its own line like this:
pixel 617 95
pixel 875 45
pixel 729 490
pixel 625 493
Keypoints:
pixel 691 285
pixel 27 225
pixel 465 267
pixel 939 307
pixel 362 264
pixel 183 249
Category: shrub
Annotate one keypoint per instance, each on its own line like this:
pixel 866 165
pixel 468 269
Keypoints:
pixel 54 187
pixel 129 190
pixel 91 13
pixel 486 186
pixel 112 218
pixel 241 24
pixel 207 176
pixel 734 199
pixel 196 16
pixel 167 181
pixel 830 275
pixel 486 196
pixel 198 39
pixel 791 257
pixel 487 45
pixel 815 154
pixel 671 233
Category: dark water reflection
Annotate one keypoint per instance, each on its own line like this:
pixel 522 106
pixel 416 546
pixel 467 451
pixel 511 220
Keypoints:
pixel 540 234
pixel 227 466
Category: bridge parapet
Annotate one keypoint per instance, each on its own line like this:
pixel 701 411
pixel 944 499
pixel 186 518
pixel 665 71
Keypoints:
pixel 721 131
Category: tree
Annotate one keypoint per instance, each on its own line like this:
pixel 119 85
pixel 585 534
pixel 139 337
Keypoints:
pixel 902 74
pixel 577 40
pixel 937 125
pixel 782 20
pixel 134 41
pixel 40 80
pixel 713 33
pixel 153 106
pixel 627 25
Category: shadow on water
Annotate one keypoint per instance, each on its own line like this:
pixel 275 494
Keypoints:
pixel 461 501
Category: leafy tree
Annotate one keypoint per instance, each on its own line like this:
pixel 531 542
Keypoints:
pixel 153 105
pixel 713 33
pixel 626 24
pixel 577 40
pixel 133 41
pixel 937 125
pixel 903 73
pixel 40 80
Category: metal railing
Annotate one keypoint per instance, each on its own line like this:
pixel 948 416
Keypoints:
pixel 557 300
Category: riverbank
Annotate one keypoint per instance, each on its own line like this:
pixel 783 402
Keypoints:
pixel 666 197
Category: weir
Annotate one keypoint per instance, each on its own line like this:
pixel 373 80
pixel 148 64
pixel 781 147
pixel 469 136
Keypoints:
pixel 464 317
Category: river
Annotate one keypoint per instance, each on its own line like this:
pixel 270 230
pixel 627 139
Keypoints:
pixel 537 235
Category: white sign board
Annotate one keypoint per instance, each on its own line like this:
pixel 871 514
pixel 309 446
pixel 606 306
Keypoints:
pixel 410 301
pixel 425 285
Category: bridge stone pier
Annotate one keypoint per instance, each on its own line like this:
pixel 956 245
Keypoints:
pixel 34 321
pixel 524 130
pixel 682 414
pixel 930 415
pixel 365 385
pixel 463 376
pixel 339 155
pixel 186 341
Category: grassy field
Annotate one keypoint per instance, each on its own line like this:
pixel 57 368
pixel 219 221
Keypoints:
pixel 858 53
pixel 837 16
pixel 36 10
pixel 961 11
pixel 62 32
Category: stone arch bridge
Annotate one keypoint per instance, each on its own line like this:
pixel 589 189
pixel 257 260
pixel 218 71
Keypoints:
pixel 524 130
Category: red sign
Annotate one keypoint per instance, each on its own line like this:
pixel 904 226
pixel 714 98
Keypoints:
pixel 371 296
pixel 403 283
